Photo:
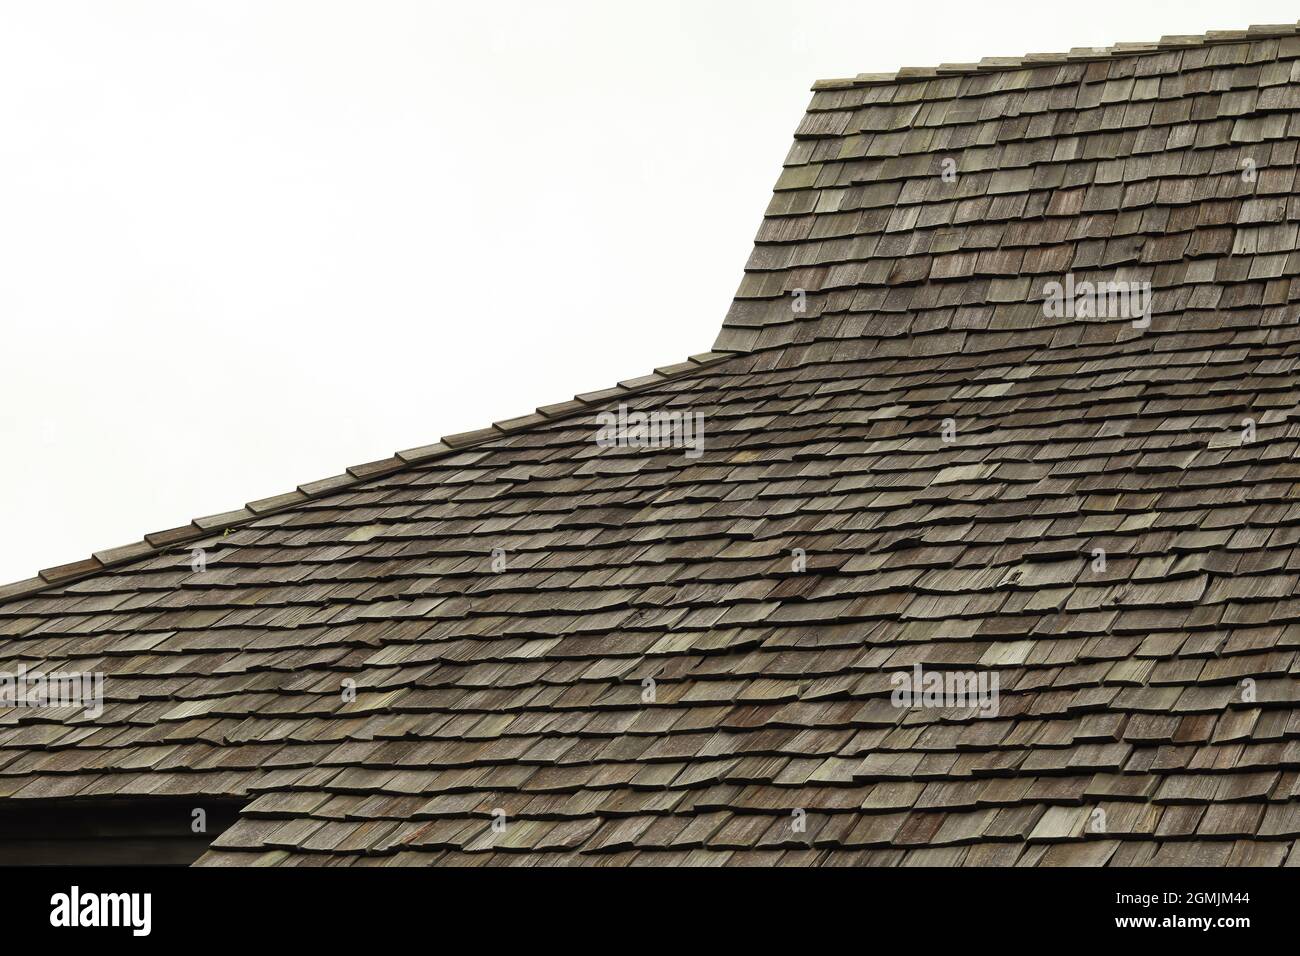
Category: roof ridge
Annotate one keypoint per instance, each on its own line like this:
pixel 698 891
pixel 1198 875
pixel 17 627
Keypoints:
pixel 995 64
pixel 157 541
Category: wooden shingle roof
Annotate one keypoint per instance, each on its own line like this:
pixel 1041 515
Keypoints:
pixel 520 647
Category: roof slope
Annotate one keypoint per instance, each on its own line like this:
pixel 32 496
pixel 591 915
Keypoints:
pixel 690 660
pixel 1127 167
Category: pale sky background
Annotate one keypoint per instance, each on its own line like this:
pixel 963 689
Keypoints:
pixel 245 245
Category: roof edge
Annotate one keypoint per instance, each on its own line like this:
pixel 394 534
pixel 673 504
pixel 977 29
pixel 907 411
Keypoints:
pixel 158 541
pixel 994 64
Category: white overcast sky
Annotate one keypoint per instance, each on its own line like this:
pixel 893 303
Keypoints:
pixel 245 245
